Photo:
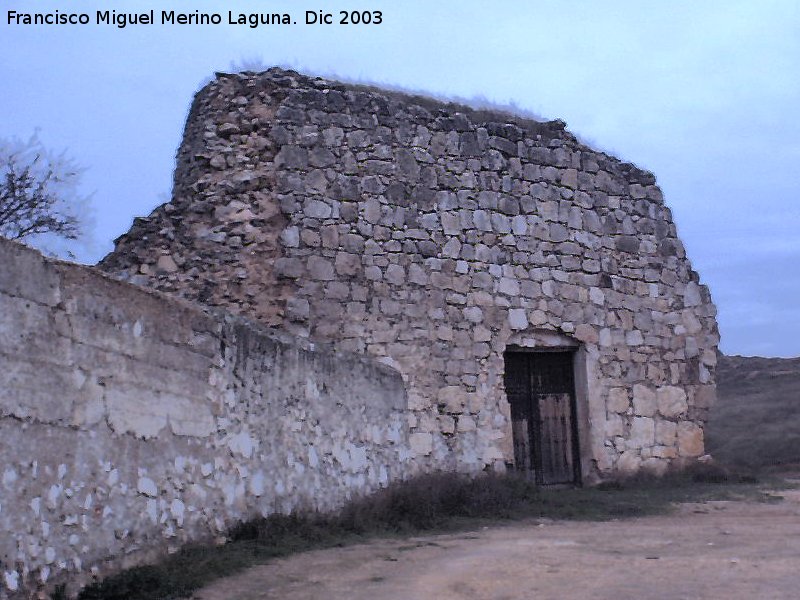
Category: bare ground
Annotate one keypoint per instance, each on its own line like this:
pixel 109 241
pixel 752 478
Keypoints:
pixel 715 550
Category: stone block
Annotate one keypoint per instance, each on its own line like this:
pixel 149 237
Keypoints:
pixel 320 269
pixel 444 332
pixel 628 243
pixel 634 338
pixel 482 334
pixel 292 157
pixel 508 286
pixel 136 411
pixel 691 295
pixel 473 314
pixel 453 397
pixel 668 452
pixel 321 157
pixel 519 225
pixel 347 264
pixel 317 209
pixel 427 248
pixel 298 309
pixel 452 249
pixel 614 426
pixel 644 401
pixel 642 433
pixel 500 223
pixel 618 400
pixel 290 237
pixel 690 439
pixel 289 268
pixel 558 233
pixel 482 220
pixel 372 211
pixel 518 318
pixel 373 273
pixel 666 432
pixel 629 462
pixel 671 401
pixel 596 296
pixel 166 264
pixel 451 223
pixel 538 317
pixel 569 178
pixel 586 334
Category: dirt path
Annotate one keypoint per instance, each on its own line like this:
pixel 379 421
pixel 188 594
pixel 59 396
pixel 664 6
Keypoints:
pixel 717 550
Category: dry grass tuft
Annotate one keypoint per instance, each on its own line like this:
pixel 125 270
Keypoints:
pixel 425 504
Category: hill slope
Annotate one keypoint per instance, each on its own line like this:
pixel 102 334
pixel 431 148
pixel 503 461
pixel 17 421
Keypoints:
pixel 756 420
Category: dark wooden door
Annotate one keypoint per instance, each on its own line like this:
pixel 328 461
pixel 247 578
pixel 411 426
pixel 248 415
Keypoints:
pixel 540 387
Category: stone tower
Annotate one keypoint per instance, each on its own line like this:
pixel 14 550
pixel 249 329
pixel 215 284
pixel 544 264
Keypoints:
pixel 532 292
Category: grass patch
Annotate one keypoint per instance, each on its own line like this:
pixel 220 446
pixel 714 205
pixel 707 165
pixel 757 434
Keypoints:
pixel 756 419
pixel 426 504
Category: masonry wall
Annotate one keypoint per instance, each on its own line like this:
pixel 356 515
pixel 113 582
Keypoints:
pixel 131 423
pixel 435 237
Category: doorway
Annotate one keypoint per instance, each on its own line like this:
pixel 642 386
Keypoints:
pixel 540 387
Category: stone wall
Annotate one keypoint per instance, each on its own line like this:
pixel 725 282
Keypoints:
pixel 131 423
pixel 435 237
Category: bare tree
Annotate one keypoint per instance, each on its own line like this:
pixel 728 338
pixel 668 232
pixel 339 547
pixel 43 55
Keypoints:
pixel 38 194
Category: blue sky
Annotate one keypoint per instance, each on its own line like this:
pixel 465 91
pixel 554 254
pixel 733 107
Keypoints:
pixel 705 94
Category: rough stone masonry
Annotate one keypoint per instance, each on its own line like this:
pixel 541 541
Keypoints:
pixel 132 423
pixel 436 237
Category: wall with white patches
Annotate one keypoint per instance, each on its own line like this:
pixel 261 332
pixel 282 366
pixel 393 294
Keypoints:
pixel 132 423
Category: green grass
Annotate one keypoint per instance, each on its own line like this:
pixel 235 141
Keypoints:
pixel 427 504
